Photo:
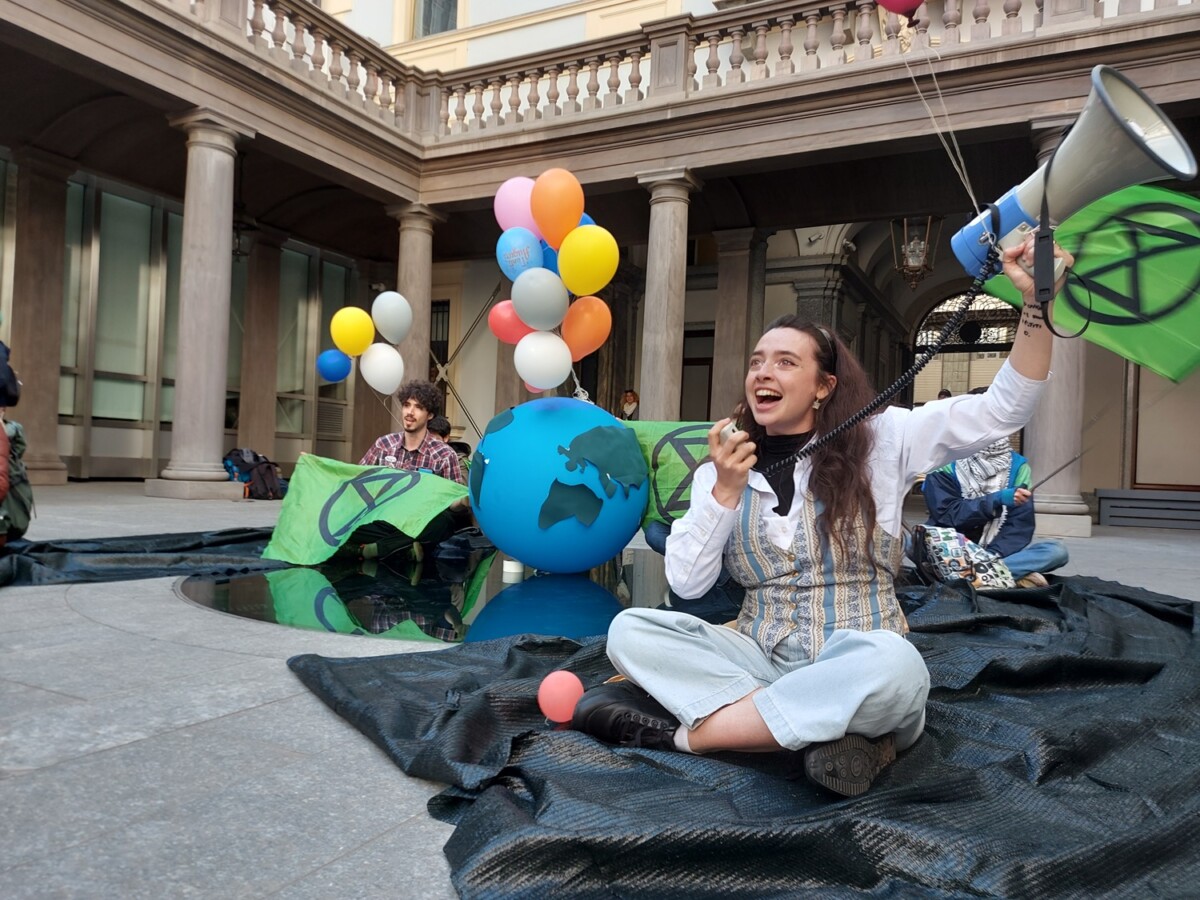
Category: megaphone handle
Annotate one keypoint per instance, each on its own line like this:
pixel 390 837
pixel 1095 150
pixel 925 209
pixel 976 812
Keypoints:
pixel 1016 238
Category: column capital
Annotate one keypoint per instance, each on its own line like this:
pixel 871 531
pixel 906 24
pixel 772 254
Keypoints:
pixel 1047 133
pixel 419 215
pixel 203 118
pixel 680 179
pixel 735 240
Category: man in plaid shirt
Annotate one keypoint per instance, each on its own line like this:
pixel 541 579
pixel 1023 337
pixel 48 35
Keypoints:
pixel 415 447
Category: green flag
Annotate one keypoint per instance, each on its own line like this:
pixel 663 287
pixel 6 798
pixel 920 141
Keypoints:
pixel 327 500
pixel 672 451
pixel 1136 278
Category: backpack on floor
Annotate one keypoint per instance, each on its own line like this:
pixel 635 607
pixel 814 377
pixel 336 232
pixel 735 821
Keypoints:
pixel 259 476
pixel 942 554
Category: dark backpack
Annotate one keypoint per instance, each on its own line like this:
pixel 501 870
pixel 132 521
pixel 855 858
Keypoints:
pixel 259 476
pixel 17 508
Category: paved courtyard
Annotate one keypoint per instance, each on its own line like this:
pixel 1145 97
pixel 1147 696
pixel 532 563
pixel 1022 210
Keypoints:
pixel 152 748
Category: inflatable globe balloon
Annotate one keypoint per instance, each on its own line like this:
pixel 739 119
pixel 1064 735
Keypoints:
pixel 570 606
pixel 559 484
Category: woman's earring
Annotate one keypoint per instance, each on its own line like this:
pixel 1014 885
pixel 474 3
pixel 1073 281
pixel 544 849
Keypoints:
pixel 817 403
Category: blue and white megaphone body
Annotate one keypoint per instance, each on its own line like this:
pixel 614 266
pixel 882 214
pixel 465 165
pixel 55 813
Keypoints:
pixel 1120 139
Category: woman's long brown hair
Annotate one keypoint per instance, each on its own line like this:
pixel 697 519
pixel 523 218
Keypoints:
pixel 839 479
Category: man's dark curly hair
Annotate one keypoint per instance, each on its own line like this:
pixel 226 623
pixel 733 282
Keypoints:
pixel 424 393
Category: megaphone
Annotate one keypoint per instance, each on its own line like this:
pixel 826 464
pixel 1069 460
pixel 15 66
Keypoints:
pixel 1120 139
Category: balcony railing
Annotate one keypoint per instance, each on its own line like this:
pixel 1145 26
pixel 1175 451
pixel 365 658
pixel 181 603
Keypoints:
pixel 663 62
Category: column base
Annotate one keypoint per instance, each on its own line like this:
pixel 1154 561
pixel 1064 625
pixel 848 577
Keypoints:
pixel 1061 525
pixel 194 490
pixel 46 471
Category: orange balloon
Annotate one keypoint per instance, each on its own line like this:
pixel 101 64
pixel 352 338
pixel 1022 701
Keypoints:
pixel 586 326
pixel 556 202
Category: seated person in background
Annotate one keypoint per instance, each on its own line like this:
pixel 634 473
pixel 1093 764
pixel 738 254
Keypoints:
pixel 414 448
pixel 440 426
pixel 986 497
pixel 944 393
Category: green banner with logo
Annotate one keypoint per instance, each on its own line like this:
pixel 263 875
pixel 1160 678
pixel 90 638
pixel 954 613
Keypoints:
pixel 327 500
pixel 672 451
pixel 1136 279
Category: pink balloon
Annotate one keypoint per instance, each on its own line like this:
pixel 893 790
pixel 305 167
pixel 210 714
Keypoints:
pixel 901 7
pixel 558 694
pixel 511 205
pixel 533 390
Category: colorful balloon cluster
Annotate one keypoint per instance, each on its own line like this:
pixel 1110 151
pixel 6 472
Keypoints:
pixel 353 333
pixel 551 249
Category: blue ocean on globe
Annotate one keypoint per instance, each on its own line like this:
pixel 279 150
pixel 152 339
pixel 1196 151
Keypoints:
pixel 559 484
pixel 570 606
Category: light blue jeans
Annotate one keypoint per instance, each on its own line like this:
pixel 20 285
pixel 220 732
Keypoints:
pixel 862 682
pixel 1040 556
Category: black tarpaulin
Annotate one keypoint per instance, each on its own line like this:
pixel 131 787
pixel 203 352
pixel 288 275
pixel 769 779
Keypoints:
pixel 230 551
pixel 1061 758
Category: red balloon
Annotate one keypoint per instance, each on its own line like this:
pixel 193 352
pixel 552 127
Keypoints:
pixel 901 7
pixel 505 324
pixel 558 694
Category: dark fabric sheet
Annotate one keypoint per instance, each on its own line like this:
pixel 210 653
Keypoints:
pixel 227 552
pixel 1061 758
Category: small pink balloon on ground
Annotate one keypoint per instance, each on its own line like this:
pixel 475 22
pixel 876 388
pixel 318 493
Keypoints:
pixel 558 694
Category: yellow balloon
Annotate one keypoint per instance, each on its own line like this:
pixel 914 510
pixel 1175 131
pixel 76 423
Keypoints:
pixel 352 330
pixel 587 259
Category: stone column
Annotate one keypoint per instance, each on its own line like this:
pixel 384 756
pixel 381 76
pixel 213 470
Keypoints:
pixel 260 348
pixel 733 315
pixel 205 277
pixel 661 374
pixel 36 327
pixel 414 280
pixel 818 295
pixel 758 288
pixel 1054 435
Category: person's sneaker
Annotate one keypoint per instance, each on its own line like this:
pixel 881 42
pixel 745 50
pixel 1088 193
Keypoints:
pixel 1033 580
pixel 848 765
pixel 620 712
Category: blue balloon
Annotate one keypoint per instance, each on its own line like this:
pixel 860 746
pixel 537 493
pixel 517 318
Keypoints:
pixel 570 606
pixel 559 484
pixel 549 258
pixel 517 250
pixel 585 219
pixel 333 365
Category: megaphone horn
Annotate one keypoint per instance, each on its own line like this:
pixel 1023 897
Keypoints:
pixel 1120 139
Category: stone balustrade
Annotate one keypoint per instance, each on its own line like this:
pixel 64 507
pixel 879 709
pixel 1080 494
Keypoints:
pixel 664 63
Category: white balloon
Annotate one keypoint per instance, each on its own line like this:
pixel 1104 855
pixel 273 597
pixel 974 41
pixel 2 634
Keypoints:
pixel 392 316
pixel 382 368
pixel 540 299
pixel 542 359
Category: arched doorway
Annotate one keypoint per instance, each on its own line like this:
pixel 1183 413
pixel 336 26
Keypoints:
pixel 972 356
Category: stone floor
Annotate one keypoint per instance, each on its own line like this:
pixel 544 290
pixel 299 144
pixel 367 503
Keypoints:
pixel 152 748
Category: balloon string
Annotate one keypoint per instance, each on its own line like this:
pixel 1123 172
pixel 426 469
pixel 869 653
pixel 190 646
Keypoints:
pixel 953 151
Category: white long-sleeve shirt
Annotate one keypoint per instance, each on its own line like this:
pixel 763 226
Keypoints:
pixel 907 443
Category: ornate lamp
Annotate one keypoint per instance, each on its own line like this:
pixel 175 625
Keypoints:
pixel 245 229
pixel 914 246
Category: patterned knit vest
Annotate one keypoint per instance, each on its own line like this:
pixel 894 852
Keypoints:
pixel 813 587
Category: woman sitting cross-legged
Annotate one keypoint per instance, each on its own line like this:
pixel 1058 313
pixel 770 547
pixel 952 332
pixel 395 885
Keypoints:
pixel 818 662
